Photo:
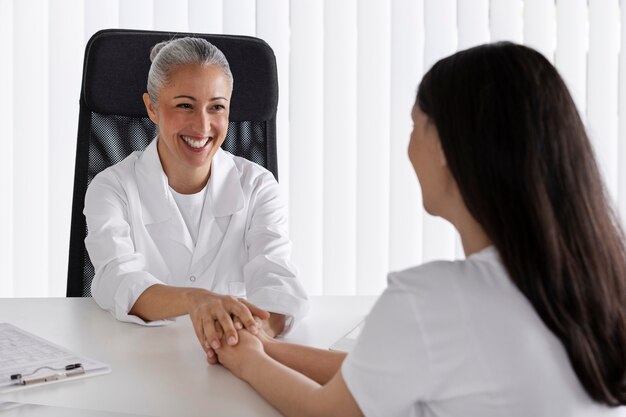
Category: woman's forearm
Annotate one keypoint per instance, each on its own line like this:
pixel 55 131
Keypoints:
pixel 288 389
pixel 318 364
pixel 293 394
pixel 160 302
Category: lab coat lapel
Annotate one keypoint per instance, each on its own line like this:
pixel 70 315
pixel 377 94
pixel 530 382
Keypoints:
pixel 160 212
pixel 224 197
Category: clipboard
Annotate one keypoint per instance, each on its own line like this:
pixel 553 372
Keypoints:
pixel 27 360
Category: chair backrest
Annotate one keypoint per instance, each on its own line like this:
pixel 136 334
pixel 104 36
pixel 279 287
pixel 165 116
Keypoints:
pixel 113 121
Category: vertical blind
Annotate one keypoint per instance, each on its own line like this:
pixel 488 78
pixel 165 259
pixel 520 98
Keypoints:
pixel 348 73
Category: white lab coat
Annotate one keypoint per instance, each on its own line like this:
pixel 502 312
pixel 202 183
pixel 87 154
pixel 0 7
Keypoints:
pixel 138 238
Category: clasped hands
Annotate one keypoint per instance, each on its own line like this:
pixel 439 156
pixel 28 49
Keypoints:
pixel 219 319
pixel 249 349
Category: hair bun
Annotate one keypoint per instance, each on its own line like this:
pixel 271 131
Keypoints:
pixel 156 49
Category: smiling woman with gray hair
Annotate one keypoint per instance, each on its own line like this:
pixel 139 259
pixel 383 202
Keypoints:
pixel 184 227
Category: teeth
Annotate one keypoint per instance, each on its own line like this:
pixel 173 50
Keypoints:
pixel 195 143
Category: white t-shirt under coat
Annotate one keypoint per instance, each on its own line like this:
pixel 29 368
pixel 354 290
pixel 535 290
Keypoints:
pixel 190 206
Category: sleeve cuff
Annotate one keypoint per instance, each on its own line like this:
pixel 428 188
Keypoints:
pixel 293 307
pixel 127 294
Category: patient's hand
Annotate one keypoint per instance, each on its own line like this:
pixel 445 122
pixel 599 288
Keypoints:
pixel 242 356
pixel 272 326
pixel 262 335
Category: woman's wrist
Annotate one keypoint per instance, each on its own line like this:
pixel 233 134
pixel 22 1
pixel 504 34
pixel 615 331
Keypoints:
pixel 191 296
pixel 275 325
pixel 250 364
pixel 269 344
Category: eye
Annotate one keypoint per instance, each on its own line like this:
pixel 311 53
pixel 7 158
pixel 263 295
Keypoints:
pixel 184 106
pixel 218 107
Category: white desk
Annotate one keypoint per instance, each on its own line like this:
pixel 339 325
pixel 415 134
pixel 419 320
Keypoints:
pixel 157 371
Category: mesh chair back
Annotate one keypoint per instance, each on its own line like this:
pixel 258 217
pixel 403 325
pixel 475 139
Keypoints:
pixel 113 121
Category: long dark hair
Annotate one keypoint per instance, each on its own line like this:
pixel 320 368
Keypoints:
pixel 518 150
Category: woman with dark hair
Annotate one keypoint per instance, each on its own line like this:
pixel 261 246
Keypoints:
pixel 533 321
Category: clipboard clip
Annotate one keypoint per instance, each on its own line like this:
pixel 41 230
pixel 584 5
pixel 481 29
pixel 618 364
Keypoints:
pixel 59 373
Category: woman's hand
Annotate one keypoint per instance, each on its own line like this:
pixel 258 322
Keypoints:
pixel 243 356
pixel 262 335
pixel 212 317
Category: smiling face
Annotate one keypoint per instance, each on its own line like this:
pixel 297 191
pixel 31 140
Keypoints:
pixel 192 116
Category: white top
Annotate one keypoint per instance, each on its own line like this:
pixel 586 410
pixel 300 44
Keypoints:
pixel 190 207
pixel 138 238
pixel 459 339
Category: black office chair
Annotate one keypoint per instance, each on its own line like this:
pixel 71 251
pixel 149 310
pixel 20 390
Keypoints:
pixel 113 121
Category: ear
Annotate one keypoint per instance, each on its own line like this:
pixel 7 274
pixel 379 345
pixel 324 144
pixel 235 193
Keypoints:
pixel 152 114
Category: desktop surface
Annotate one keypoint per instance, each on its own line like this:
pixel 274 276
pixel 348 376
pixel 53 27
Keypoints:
pixel 156 371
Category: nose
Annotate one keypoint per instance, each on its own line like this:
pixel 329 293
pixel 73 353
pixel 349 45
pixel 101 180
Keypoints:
pixel 202 123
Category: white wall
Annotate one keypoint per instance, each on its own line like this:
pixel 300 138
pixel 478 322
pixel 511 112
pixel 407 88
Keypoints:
pixel 348 72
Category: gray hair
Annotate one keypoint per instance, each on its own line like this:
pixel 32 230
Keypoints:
pixel 168 55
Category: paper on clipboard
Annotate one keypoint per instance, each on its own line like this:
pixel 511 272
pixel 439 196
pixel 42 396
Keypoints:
pixel 24 353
